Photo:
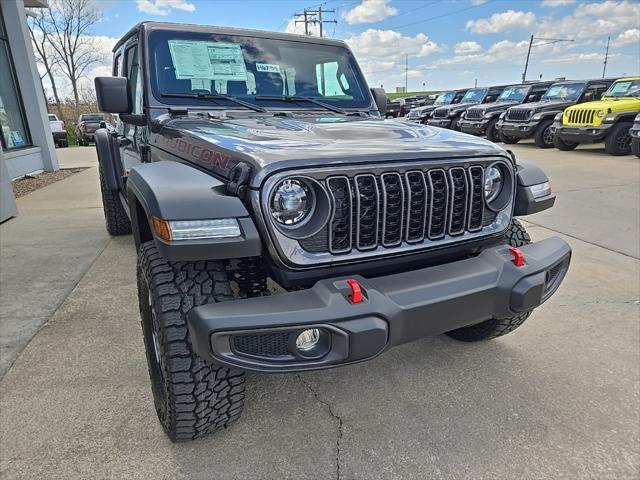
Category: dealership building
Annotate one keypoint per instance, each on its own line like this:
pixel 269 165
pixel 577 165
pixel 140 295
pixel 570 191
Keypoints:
pixel 25 136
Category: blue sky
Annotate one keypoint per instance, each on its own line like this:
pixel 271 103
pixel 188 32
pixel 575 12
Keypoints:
pixel 449 43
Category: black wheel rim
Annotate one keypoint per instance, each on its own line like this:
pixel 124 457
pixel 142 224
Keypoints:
pixel 547 136
pixel 623 142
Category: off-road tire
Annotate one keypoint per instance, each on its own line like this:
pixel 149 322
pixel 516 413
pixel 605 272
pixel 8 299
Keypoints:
pixel 562 145
pixel 618 141
pixel 508 140
pixel 115 216
pixel 516 236
pixel 192 397
pixel 543 137
pixel 635 146
pixel 491 132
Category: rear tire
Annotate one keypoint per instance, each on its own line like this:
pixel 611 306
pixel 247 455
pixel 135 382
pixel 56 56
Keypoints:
pixel 115 217
pixel 508 140
pixel 516 236
pixel 562 145
pixel 491 132
pixel 635 146
pixel 618 142
pixel 192 397
pixel 543 136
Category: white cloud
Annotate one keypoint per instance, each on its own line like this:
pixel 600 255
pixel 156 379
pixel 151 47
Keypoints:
pixel 502 22
pixel 627 37
pixel 581 57
pixel 590 20
pixel 163 7
pixel 369 11
pixel 478 2
pixel 465 48
pixel 504 50
pixel 557 3
pixel 390 45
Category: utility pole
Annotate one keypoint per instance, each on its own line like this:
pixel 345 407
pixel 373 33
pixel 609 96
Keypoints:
pixel 313 17
pixel 546 41
pixel 476 84
pixel 606 57
pixel 406 73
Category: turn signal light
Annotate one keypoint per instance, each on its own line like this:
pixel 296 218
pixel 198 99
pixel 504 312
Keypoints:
pixel 161 228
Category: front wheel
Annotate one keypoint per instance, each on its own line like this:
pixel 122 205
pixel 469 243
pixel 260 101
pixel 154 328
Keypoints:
pixel 544 136
pixel 618 142
pixel 492 132
pixel 192 397
pixel 562 145
pixel 516 236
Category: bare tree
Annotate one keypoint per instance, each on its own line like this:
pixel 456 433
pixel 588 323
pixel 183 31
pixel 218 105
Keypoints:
pixel 39 29
pixel 70 38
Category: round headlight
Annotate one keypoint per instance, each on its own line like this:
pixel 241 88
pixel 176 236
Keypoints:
pixel 493 181
pixel 601 113
pixel 291 202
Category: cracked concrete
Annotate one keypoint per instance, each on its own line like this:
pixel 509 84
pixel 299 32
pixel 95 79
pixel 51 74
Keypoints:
pixel 557 399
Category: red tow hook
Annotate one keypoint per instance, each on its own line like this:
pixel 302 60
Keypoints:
pixel 518 257
pixel 356 291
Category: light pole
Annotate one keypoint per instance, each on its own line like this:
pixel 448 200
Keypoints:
pixel 546 41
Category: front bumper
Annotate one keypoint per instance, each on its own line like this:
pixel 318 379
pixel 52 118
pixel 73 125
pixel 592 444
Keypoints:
pixel 440 122
pixel 517 129
pixel 259 333
pixel 588 134
pixel 474 127
pixel 59 135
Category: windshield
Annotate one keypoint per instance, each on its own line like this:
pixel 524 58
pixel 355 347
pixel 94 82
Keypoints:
pixel 475 95
pixel 564 91
pixel 513 94
pixel 249 67
pixel 624 88
pixel 444 98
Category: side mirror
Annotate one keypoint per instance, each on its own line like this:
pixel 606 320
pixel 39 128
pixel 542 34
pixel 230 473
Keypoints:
pixel 490 99
pixel 380 97
pixel 532 98
pixel 588 97
pixel 112 94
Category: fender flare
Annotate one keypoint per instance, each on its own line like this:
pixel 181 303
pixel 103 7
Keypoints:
pixel 529 174
pixel 172 190
pixel 107 159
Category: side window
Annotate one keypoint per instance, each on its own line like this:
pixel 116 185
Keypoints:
pixel 593 92
pixel 330 83
pixel 135 79
pixel 116 65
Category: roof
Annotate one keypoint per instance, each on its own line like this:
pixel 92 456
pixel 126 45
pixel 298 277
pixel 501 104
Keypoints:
pixel 244 32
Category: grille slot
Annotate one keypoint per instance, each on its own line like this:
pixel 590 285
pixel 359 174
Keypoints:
pixel 476 177
pixel 367 211
pixel 340 225
pixel 392 208
pixel 416 206
pixel 439 188
pixel 474 113
pixel 458 202
pixel 518 114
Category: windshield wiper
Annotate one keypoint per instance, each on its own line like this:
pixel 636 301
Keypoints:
pixel 213 96
pixel 297 98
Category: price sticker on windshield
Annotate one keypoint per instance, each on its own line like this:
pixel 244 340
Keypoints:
pixel 207 60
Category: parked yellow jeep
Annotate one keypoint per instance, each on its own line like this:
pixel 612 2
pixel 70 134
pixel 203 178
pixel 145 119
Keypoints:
pixel 607 120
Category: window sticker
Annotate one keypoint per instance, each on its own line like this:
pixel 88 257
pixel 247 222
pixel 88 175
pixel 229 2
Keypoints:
pixel 207 60
pixel 267 67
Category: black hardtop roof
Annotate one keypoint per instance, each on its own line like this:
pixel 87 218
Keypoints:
pixel 588 80
pixel 178 27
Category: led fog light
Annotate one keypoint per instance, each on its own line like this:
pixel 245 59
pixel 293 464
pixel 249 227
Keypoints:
pixel 307 340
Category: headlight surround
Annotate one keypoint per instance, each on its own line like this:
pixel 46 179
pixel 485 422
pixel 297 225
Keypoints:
pixel 536 116
pixel 601 113
pixel 291 202
pixel 493 181
pixel 298 206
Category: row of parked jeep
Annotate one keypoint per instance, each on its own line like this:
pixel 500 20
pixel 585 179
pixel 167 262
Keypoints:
pixel 560 114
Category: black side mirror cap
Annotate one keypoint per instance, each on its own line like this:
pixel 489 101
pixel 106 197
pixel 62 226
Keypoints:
pixel 112 94
pixel 380 97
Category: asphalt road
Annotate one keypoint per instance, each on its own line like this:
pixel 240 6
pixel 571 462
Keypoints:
pixel 558 398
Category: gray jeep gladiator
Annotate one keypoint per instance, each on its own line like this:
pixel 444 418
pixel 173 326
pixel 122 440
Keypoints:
pixel 282 225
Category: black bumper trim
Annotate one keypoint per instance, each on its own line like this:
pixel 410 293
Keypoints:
pixel 477 127
pixel 397 308
pixel 517 129
pixel 586 134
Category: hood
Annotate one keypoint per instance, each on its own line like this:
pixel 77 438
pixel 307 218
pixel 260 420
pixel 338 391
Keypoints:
pixel 495 106
pixel 613 105
pixel 269 143
pixel 548 105
pixel 459 107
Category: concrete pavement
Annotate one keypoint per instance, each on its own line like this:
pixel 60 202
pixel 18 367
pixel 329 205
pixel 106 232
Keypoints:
pixel 556 399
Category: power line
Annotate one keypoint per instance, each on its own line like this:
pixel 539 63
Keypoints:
pixel 546 41
pixel 314 17
pixel 439 16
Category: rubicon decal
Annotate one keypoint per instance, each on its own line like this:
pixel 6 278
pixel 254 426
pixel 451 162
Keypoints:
pixel 202 155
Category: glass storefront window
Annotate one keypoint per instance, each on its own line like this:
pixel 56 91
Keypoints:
pixel 14 131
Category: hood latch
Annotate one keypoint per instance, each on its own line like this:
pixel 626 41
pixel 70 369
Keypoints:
pixel 238 179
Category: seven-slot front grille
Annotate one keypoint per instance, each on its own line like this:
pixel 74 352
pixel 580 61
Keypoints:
pixel 518 114
pixel 440 113
pixel 581 116
pixel 475 113
pixel 391 208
